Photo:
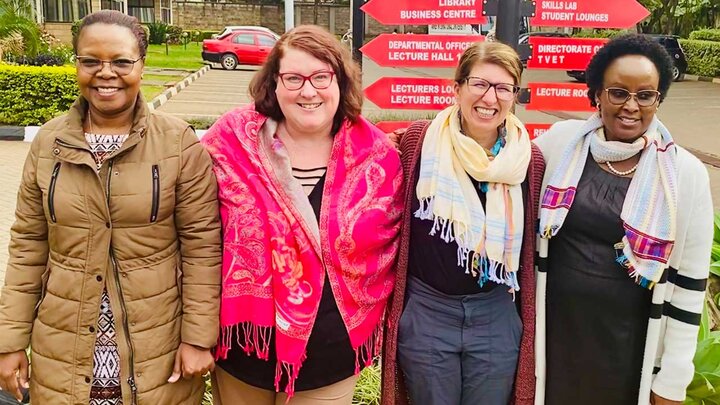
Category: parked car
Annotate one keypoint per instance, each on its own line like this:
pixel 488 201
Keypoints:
pixel 246 47
pixel 672 46
pixel 524 39
pixel 230 28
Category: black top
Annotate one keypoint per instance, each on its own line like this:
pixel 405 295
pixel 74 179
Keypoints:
pixel 597 316
pixel 434 261
pixel 330 357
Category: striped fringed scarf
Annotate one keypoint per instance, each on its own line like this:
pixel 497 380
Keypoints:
pixel 650 207
pixel 488 240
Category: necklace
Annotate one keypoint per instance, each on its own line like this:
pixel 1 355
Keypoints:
pixel 619 173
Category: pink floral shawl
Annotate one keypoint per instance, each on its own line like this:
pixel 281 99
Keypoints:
pixel 275 253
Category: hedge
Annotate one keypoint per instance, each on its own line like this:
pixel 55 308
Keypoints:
pixel 703 57
pixel 199 36
pixel 31 95
pixel 607 33
pixel 706 34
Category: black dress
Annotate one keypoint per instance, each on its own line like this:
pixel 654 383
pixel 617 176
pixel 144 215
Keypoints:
pixel 597 316
pixel 330 357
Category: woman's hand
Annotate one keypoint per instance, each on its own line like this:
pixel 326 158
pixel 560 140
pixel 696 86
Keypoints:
pixel 191 361
pixel 14 373
pixel 656 399
pixel 395 137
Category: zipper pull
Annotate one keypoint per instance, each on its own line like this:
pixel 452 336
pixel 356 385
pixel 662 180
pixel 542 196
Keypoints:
pixel 131 382
pixel 133 389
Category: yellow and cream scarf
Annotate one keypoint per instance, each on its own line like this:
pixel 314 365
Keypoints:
pixel 489 240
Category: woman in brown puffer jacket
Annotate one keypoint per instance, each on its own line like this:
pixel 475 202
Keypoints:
pixel 114 270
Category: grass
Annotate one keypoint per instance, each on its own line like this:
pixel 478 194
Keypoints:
pixel 151 91
pixel 151 86
pixel 177 58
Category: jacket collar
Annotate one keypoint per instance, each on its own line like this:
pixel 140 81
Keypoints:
pixel 72 139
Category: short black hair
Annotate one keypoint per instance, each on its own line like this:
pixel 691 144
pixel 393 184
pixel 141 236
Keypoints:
pixel 629 44
pixel 113 17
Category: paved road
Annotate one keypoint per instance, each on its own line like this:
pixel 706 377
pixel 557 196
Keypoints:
pixel 214 93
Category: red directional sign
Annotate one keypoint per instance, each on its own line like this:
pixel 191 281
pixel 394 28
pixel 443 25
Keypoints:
pixel 410 50
pixel 389 126
pixel 425 12
pixel 588 13
pixel 558 97
pixel 411 93
pixel 535 130
pixel 562 53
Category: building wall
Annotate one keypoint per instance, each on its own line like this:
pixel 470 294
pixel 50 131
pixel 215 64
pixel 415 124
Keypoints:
pixel 61 31
pixel 194 15
pixel 199 15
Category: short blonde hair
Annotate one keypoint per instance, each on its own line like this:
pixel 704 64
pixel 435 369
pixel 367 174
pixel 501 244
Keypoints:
pixel 496 53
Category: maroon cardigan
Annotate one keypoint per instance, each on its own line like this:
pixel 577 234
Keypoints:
pixel 393 385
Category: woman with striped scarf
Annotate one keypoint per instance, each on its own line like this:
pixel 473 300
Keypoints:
pixel 461 322
pixel 625 235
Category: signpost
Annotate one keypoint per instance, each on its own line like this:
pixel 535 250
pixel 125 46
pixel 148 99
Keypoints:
pixel 562 53
pixel 411 93
pixel 588 13
pixel 425 12
pixel 535 130
pixel 556 97
pixel 409 50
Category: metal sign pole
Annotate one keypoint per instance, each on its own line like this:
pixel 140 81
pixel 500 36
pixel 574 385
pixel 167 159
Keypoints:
pixel 507 28
pixel 358 30
pixel 289 15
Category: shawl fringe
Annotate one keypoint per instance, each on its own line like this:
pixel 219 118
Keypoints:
pixel 255 339
pixel 370 349
pixel 474 262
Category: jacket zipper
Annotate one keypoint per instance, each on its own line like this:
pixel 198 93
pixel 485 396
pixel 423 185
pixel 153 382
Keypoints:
pixel 123 307
pixel 51 191
pixel 155 193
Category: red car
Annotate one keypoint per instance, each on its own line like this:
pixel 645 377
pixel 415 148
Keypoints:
pixel 246 47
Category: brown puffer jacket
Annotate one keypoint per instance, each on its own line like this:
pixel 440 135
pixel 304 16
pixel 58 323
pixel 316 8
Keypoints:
pixel 146 227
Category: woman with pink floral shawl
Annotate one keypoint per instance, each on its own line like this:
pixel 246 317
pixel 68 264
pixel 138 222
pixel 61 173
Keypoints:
pixel 310 206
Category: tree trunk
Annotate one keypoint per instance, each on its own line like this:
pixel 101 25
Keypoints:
pixel 315 12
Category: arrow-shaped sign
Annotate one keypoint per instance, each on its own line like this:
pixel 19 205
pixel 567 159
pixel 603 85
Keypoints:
pixel 588 13
pixel 410 50
pixel 556 97
pixel 425 12
pixel 562 53
pixel 535 130
pixel 411 93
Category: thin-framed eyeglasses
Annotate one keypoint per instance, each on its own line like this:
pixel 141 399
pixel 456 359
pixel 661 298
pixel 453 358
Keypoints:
pixel 620 96
pixel 503 91
pixel 295 81
pixel 121 66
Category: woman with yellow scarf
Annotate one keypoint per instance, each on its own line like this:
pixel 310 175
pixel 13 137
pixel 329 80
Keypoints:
pixel 461 323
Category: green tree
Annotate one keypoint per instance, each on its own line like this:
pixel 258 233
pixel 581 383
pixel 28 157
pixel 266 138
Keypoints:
pixel 680 17
pixel 17 27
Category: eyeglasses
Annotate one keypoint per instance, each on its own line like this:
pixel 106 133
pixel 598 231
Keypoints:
pixel 480 87
pixel 295 81
pixel 121 67
pixel 644 98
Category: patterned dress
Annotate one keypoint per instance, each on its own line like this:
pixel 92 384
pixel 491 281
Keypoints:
pixel 105 389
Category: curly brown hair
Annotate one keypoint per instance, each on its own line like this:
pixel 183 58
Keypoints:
pixel 322 45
